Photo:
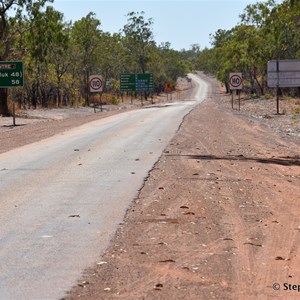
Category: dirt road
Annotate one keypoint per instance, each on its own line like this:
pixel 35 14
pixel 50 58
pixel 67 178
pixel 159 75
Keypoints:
pixel 218 217
pixel 67 195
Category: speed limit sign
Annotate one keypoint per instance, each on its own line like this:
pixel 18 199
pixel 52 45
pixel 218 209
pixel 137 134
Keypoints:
pixel 95 83
pixel 235 81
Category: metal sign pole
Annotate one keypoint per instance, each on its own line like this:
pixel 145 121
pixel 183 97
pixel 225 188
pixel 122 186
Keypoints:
pixel 100 94
pixel 277 100
pixel 14 109
pixel 277 87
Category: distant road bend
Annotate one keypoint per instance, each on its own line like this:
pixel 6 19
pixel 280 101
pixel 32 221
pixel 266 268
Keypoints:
pixel 62 198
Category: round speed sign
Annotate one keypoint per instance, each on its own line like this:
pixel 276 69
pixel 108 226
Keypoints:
pixel 236 81
pixel 96 84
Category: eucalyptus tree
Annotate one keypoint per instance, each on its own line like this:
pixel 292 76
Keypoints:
pixel 294 2
pixel 112 56
pixel 276 35
pixel 167 64
pixel 47 42
pixel 175 65
pixel 60 61
pixel 8 35
pixel 86 36
pixel 282 27
pixel 157 65
pixel 245 48
pixel 138 39
pixel 205 60
pixel 257 43
pixel 220 63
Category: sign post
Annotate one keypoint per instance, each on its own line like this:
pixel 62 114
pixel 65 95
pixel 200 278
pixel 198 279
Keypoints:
pixel 236 83
pixel 11 76
pixel 96 86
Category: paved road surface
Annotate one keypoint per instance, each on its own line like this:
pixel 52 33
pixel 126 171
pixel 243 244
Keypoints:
pixel 62 198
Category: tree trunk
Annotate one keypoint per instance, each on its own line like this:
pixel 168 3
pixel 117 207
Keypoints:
pixel 3 103
pixel 227 87
pixel 262 92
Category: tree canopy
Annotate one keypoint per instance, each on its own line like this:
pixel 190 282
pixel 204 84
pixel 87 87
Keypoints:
pixel 266 31
pixel 60 56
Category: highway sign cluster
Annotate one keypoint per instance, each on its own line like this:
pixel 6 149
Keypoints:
pixel 136 82
pixel 11 74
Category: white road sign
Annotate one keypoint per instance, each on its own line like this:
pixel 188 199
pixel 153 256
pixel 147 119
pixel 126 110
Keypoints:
pixel 95 83
pixel 235 81
pixel 284 73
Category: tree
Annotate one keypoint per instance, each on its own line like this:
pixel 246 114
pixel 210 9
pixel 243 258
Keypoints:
pixel 47 43
pixel 220 64
pixel 267 31
pixel 7 35
pixel 294 2
pixel 138 39
pixel 85 34
pixel 112 60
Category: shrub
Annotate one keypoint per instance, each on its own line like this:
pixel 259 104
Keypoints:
pixel 114 100
pixel 267 96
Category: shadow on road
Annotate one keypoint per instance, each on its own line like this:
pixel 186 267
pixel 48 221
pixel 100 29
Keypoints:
pixel 283 161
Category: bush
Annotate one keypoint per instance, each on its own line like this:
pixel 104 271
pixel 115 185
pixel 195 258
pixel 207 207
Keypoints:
pixel 114 100
pixel 295 113
pixel 267 96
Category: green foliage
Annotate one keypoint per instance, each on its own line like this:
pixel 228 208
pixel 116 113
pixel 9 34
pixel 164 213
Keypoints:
pixel 114 100
pixel 267 31
pixel 296 111
pixel 267 96
pixel 59 56
pixel 11 33
pixel 85 37
pixel 138 39
pixel 294 3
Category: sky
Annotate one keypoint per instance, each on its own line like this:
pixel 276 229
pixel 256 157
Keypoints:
pixel 181 23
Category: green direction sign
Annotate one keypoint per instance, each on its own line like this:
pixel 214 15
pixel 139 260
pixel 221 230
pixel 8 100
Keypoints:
pixel 136 82
pixel 11 74
pixel 127 82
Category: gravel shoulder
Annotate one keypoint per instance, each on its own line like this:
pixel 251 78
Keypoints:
pixel 217 217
